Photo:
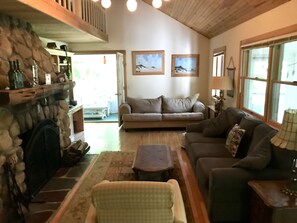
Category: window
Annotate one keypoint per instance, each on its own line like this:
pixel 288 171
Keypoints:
pixel 218 65
pixel 269 79
pixel 284 89
pixel 256 79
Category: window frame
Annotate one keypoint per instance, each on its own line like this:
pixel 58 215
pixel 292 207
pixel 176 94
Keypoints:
pixel 273 75
pixel 218 52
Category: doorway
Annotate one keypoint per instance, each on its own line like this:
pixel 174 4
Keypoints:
pixel 95 76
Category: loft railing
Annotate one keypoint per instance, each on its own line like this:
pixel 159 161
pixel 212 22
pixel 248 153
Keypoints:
pixel 89 11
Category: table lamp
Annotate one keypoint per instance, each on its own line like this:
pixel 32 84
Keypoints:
pixel 286 138
pixel 221 83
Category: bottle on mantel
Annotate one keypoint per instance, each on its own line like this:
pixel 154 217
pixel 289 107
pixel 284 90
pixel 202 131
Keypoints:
pixel 35 73
pixel 20 75
pixel 12 76
pixel 68 72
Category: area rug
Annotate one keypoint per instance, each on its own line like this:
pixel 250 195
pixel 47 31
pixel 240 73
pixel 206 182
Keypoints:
pixel 113 166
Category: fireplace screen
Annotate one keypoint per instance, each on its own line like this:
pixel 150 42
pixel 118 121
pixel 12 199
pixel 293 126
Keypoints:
pixel 42 155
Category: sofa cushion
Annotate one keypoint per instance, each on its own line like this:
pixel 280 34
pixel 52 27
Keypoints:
pixel 183 116
pixel 234 116
pixel 248 123
pixel 259 153
pixel 197 127
pixel 145 105
pixel 217 126
pixel 198 150
pixel 234 138
pixel 258 158
pixel 175 105
pixel 192 137
pixel 140 117
pixel 223 122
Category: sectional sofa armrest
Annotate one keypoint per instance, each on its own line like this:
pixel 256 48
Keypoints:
pixel 125 109
pixel 235 177
pixel 199 107
pixel 198 127
pixel 228 178
pixel 234 180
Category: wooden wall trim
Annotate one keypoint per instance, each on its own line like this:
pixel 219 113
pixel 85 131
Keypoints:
pixel 273 34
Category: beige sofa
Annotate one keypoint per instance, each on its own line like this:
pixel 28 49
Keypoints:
pixel 161 112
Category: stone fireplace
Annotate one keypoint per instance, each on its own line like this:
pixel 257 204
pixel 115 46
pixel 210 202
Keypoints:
pixel 22 111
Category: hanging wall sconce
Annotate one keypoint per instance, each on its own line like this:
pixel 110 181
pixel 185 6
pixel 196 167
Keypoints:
pixel 104 60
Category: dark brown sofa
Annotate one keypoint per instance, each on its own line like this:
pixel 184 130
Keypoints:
pixel 222 178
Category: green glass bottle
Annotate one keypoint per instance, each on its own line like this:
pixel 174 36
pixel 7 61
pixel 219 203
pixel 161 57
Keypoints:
pixel 12 76
pixel 68 72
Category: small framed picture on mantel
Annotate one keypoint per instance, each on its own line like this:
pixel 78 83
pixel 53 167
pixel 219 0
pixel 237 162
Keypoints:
pixel 148 62
pixel 185 65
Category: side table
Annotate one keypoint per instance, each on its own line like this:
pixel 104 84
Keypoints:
pixel 270 205
pixel 211 109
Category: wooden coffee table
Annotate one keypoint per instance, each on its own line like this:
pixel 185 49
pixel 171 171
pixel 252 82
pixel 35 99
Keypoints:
pixel 153 162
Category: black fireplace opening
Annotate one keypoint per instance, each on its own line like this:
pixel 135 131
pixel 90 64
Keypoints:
pixel 42 154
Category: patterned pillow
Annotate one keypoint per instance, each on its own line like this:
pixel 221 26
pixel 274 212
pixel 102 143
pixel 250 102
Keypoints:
pixel 233 140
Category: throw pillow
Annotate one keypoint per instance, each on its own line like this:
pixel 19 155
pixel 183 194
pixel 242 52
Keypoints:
pixel 259 158
pixel 233 140
pixel 194 98
pixel 249 123
pixel 138 105
pixel 175 105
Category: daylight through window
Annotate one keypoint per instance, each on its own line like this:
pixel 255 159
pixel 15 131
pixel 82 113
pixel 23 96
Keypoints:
pixel 269 79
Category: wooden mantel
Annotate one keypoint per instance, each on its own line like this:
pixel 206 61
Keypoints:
pixel 25 95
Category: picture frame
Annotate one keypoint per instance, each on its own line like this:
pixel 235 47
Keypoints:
pixel 231 73
pixel 148 62
pixel 185 65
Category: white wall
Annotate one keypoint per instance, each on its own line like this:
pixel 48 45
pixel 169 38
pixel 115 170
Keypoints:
pixel 280 17
pixel 149 29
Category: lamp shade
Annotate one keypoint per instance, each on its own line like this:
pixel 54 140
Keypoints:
pixel 221 83
pixel 286 138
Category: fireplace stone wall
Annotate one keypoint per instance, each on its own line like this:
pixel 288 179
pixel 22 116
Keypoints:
pixel 19 42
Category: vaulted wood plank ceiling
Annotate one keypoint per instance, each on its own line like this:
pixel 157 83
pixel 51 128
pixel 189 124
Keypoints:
pixel 207 17
pixel 213 17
